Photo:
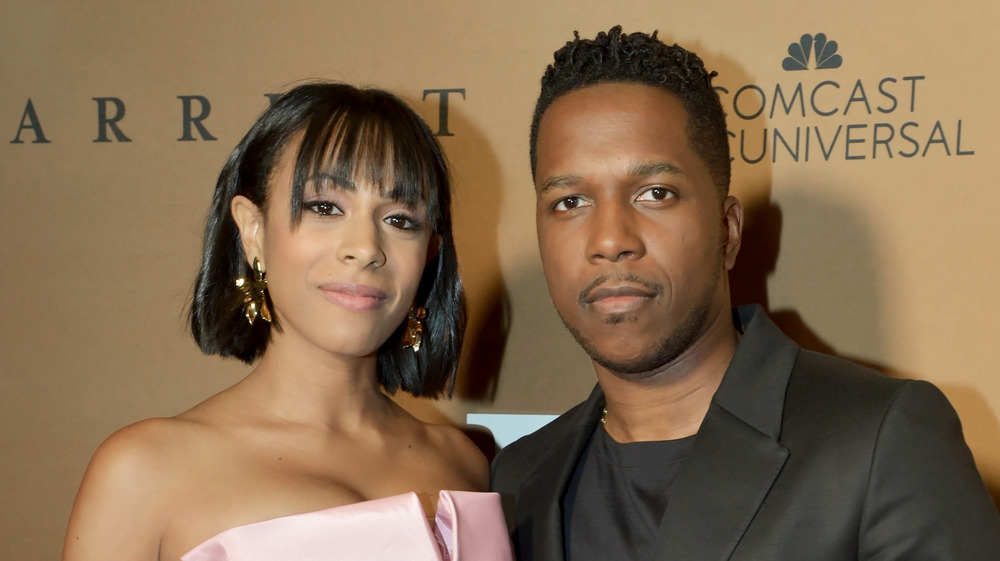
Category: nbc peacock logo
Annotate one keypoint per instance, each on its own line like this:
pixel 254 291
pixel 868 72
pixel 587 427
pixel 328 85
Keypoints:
pixel 821 51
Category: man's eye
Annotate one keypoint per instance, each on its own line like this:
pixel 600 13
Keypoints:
pixel 656 194
pixel 568 203
pixel 322 208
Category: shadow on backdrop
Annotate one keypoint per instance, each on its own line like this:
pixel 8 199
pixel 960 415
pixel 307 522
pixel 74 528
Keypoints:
pixel 478 201
pixel 827 249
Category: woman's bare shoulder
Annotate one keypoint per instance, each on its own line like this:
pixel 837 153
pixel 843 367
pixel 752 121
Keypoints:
pixel 137 456
pixel 453 446
pixel 120 507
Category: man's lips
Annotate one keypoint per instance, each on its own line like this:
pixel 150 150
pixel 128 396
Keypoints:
pixel 618 291
pixel 354 297
pixel 619 286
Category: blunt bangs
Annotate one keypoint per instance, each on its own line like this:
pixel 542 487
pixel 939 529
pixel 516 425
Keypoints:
pixel 372 139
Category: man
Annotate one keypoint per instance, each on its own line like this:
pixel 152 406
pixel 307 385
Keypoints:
pixel 710 435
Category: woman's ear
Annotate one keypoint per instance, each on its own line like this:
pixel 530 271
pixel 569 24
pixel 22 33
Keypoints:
pixel 250 222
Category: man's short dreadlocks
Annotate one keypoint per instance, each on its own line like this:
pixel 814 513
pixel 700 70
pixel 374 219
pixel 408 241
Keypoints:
pixel 642 59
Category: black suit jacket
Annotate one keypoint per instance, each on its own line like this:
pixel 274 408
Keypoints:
pixel 801 457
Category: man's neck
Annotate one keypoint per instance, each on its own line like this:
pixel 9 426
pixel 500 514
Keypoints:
pixel 671 402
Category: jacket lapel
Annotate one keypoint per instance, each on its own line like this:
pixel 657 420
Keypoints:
pixel 736 456
pixel 724 481
pixel 539 512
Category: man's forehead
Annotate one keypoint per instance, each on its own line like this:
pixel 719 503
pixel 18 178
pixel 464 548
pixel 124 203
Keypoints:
pixel 610 96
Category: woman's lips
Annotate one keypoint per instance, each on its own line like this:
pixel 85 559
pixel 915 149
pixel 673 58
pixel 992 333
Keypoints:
pixel 354 297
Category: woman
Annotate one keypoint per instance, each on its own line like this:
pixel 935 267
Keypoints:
pixel 328 259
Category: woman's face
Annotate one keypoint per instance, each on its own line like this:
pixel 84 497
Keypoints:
pixel 344 278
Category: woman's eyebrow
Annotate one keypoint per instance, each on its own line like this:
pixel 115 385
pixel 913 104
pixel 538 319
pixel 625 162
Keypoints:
pixel 323 180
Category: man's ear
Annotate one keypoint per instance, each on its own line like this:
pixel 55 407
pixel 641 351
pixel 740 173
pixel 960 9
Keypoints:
pixel 433 247
pixel 250 222
pixel 732 235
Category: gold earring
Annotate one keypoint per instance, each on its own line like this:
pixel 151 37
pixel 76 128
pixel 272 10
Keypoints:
pixel 254 294
pixel 414 333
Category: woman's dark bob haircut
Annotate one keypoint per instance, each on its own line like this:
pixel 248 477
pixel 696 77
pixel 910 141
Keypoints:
pixel 366 134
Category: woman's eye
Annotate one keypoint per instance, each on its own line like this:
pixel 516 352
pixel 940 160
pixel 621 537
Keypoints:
pixel 568 203
pixel 656 194
pixel 323 208
pixel 403 222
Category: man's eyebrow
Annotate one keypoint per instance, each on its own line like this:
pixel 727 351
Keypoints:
pixel 646 169
pixel 654 168
pixel 558 181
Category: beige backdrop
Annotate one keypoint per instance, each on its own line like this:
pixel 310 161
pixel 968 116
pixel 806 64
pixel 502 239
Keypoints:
pixel 888 260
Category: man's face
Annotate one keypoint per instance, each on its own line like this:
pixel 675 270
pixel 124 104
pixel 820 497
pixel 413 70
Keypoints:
pixel 635 239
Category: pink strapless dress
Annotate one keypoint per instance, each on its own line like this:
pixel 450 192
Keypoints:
pixel 467 527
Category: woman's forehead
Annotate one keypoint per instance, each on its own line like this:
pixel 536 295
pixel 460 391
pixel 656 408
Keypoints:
pixel 357 153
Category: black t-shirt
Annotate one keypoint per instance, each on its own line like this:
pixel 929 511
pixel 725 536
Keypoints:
pixel 616 499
